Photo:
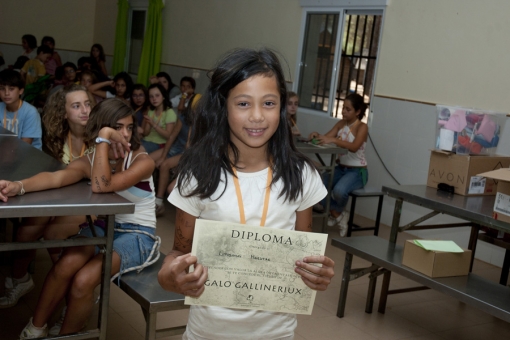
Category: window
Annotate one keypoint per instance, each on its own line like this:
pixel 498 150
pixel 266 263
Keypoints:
pixel 338 57
pixel 136 32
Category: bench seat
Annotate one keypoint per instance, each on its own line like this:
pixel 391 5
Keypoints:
pixel 144 288
pixel 471 289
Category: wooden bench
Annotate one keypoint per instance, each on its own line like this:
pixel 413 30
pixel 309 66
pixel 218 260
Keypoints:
pixel 386 257
pixel 144 288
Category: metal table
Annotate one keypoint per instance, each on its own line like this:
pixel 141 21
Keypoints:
pixel 386 256
pixel 5 132
pixel 475 209
pixel 307 148
pixel 20 160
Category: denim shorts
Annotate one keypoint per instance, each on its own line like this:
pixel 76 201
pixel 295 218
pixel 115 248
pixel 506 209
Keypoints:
pixel 151 146
pixel 175 150
pixel 133 248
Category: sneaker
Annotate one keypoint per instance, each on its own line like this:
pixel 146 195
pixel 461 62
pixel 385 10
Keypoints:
pixel 343 224
pixel 8 284
pixel 32 332
pixel 55 330
pixel 160 210
pixel 331 221
pixel 19 289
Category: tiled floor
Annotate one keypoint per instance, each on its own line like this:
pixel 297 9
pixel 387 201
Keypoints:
pixel 422 315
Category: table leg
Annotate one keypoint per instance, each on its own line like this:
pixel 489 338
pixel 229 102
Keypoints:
pixel 395 224
pixel 384 292
pixel 105 276
pixel 345 285
pixel 371 292
pixel 503 279
pixel 150 328
pixel 331 170
pixel 473 238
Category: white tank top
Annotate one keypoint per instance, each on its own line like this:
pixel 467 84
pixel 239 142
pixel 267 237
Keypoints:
pixel 355 159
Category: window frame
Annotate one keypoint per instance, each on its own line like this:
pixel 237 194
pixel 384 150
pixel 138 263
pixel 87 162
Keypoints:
pixel 365 7
pixel 134 6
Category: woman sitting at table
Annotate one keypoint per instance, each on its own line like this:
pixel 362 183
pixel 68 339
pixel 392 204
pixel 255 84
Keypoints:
pixel 65 116
pixel 118 165
pixel 351 173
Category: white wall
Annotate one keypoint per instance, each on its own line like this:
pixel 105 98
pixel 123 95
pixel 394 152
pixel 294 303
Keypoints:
pixel 449 52
pixel 70 23
pixel 196 33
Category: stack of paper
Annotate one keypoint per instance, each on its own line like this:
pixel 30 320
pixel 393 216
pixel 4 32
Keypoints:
pixel 445 246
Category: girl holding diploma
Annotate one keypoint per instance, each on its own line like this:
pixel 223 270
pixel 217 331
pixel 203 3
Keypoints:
pixel 242 166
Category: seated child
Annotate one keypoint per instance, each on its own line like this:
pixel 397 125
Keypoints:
pixel 159 121
pixel 351 172
pixel 180 102
pixel 292 106
pixel 122 85
pixel 164 79
pixel 19 116
pixel 29 44
pixel 140 104
pixel 34 68
pixel 70 73
pixel 54 60
pixel 168 158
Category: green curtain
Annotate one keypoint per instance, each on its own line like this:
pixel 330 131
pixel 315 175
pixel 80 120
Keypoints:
pixel 119 53
pixel 152 42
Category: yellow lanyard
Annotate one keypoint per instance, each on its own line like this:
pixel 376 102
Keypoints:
pixel 70 145
pixel 266 197
pixel 13 118
pixel 160 116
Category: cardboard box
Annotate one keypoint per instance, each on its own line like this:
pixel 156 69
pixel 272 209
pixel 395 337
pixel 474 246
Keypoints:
pixel 501 209
pixel 435 263
pixel 461 172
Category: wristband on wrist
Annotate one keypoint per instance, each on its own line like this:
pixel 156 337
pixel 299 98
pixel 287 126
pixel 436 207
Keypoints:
pixel 103 140
pixel 22 191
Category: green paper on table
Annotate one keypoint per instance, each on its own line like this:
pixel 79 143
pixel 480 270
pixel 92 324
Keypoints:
pixel 446 246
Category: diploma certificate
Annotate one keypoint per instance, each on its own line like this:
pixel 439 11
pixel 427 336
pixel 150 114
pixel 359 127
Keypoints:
pixel 253 267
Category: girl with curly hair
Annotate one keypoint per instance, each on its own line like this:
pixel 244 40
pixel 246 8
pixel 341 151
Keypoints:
pixel 65 117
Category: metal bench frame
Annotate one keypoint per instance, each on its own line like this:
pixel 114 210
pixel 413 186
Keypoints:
pixel 386 257
pixel 144 288
pixel 362 193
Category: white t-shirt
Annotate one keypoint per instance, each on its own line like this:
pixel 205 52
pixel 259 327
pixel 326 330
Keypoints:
pixel 226 323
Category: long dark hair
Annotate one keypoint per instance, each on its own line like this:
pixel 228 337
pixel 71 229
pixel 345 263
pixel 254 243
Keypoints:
pixel 101 57
pixel 165 75
pixel 31 41
pixel 128 80
pixel 208 154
